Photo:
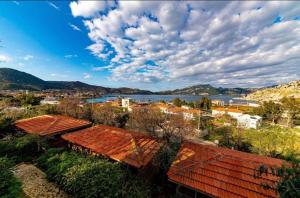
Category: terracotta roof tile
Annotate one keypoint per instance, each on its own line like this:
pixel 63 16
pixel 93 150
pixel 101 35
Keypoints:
pixel 51 124
pixel 222 172
pixel 133 148
pixel 233 110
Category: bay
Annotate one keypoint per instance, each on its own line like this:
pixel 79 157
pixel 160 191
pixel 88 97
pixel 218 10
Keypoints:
pixel 167 98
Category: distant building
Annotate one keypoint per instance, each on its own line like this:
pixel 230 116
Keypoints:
pixel 50 100
pixel 249 121
pixel 218 102
pixel 126 102
pixel 235 113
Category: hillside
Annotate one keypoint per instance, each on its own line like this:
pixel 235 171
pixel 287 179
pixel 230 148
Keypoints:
pixel 206 88
pixel 291 89
pixel 11 79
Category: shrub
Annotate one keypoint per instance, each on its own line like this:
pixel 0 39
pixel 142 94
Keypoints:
pixel 5 125
pixel 23 148
pixel 10 187
pixel 90 177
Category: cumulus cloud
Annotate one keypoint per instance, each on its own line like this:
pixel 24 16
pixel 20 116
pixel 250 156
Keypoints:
pixel 89 8
pixel 223 43
pixel 28 57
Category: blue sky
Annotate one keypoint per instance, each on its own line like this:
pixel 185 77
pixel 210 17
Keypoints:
pixel 153 45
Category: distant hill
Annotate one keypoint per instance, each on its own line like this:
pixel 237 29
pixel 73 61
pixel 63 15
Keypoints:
pixel 11 79
pixel 275 93
pixel 206 88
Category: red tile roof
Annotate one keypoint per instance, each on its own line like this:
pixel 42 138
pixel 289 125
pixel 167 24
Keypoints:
pixel 221 172
pixel 51 124
pixel 135 149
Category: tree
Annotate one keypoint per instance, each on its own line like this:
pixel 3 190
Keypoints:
pixel 288 185
pixel 174 128
pixel 177 102
pixel 146 119
pixel 292 108
pixel 109 115
pixel 69 106
pixel 270 111
pixel 28 99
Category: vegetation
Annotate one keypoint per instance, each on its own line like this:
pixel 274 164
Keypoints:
pixel 270 111
pixel 288 185
pixel 91 177
pixel 274 141
pixel 10 187
pixel 21 149
pixel 203 104
pixel 28 99
pixel 110 115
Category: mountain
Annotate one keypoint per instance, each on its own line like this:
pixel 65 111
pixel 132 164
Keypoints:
pixel 206 88
pixel 11 79
pixel 275 93
pixel 14 79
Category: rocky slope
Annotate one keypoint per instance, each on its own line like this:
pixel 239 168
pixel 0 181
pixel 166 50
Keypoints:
pixel 291 89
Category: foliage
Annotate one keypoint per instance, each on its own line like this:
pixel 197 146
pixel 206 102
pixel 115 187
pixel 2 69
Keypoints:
pixel 28 99
pixel 146 119
pixel 269 111
pixel 204 104
pixel 5 125
pixel 110 115
pixel 10 187
pixel 23 148
pixel 90 177
pixel 292 108
pixel 178 102
pixel 166 156
pixel 288 185
pixel 274 141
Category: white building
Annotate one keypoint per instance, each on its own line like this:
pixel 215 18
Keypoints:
pixel 50 100
pixel 249 121
pixel 126 102
pixel 235 113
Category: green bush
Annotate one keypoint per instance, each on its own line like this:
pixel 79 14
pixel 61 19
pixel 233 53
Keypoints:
pixel 5 125
pixel 23 148
pixel 90 177
pixel 10 187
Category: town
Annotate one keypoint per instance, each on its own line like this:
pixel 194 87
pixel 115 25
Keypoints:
pixel 149 99
pixel 153 148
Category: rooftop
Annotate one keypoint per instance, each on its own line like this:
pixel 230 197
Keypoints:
pixel 135 149
pixel 51 124
pixel 221 172
pixel 234 110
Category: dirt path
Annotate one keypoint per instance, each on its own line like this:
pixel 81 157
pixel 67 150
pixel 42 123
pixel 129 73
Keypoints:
pixel 35 183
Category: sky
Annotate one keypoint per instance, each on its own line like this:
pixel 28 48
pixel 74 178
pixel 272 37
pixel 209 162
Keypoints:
pixel 153 45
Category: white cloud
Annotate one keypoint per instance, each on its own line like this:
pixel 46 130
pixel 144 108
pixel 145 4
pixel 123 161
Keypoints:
pixel 86 76
pixel 28 57
pixel 109 67
pixel 224 43
pixel 4 58
pixel 71 56
pixel 87 8
pixel 74 27
pixel 53 5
